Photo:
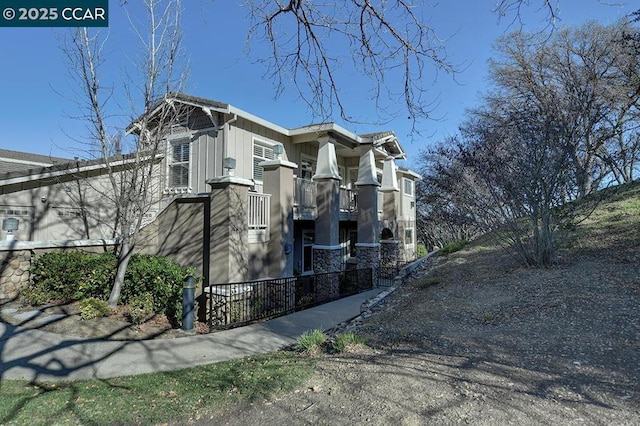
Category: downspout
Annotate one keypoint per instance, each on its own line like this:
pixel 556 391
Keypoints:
pixel 226 137
pixel 225 133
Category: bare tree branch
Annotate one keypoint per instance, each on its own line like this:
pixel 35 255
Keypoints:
pixel 133 181
pixel 386 42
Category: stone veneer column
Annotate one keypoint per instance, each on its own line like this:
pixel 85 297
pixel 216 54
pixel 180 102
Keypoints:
pixel 229 247
pixel 390 248
pixel 278 181
pixel 327 252
pixel 367 247
pixel 389 253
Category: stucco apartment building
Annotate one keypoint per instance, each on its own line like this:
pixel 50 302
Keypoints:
pixel 236 196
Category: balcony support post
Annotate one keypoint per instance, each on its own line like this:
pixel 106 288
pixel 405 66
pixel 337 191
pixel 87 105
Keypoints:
pixel 327 252
pixel 278 181
pixel 367 247
pixel 228 233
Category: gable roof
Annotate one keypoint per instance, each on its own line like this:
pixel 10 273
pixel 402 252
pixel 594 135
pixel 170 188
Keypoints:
pixel 14 161
pixel 386 140
pixel 64 167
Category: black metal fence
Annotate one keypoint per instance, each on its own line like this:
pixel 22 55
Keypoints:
pixel 386 274
pixel 235 304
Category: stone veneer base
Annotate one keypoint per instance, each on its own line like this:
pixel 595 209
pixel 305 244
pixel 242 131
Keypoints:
pixel 368 255
pixel 327 260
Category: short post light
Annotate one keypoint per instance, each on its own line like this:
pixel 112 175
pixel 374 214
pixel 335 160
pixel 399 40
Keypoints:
pixel 188 303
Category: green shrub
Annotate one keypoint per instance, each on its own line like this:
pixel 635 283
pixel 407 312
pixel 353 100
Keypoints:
pixel 93 308
pixel 70 275
pixel 345 341
pixel 76 275
pixel 453 247
pixel 97 279
pixel 311 342
pixel 35 295
pixel 421 251
pixel 140 307
pixel 160 277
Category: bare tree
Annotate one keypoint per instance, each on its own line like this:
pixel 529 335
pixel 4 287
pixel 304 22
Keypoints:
pixel 504 175
pixel 444 214
pixel 562 109
pixel 392 44
pixel 131 178
pixel 584 70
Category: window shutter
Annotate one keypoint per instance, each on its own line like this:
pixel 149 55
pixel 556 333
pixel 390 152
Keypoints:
pixel 260 153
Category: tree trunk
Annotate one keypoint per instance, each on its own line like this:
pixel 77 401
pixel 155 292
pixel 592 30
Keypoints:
pixel 126 250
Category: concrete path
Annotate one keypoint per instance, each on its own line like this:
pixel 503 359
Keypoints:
pixel 35 355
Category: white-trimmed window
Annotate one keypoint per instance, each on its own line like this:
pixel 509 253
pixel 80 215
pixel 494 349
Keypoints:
pixel 262 151
pixel 408 236
pixel 408 187
pixel 178 162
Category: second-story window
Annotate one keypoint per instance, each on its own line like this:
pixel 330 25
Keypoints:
pixel 178 160
pixel 307 167
pixel 261 152
pixel 408 187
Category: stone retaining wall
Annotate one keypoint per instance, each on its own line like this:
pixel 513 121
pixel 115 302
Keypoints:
pixel 14 272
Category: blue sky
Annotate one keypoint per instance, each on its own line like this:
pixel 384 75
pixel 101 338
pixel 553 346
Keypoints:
pixel 34 115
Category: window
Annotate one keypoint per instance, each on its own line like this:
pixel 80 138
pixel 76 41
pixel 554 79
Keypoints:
pixel 307 167
pixel 343 175
pixel 261 152
pixel 352 177
pixel 11 212
pixel 408 187
pixel 408 236
pixel 179 164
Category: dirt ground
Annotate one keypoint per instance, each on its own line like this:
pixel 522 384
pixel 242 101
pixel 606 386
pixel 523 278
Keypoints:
pixel 472 338
pixel 475 339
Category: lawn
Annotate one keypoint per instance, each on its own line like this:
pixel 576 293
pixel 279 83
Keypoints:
pixel 152 398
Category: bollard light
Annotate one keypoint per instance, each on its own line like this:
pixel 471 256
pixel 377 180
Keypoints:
pixel 188 302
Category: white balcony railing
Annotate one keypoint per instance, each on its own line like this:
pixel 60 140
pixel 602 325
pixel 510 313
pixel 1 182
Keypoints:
pixel 258 210
pixel 348 200
pixel 304 193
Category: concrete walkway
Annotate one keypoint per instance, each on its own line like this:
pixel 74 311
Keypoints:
pixel 35 355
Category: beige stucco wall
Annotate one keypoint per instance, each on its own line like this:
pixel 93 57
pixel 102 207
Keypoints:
pixel 65 207
pixel 180 231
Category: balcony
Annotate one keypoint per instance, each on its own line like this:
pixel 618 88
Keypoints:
pixel 348 204
pixel 258 217
pixel 304 201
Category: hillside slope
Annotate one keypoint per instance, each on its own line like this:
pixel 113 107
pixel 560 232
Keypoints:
pixel 476 338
